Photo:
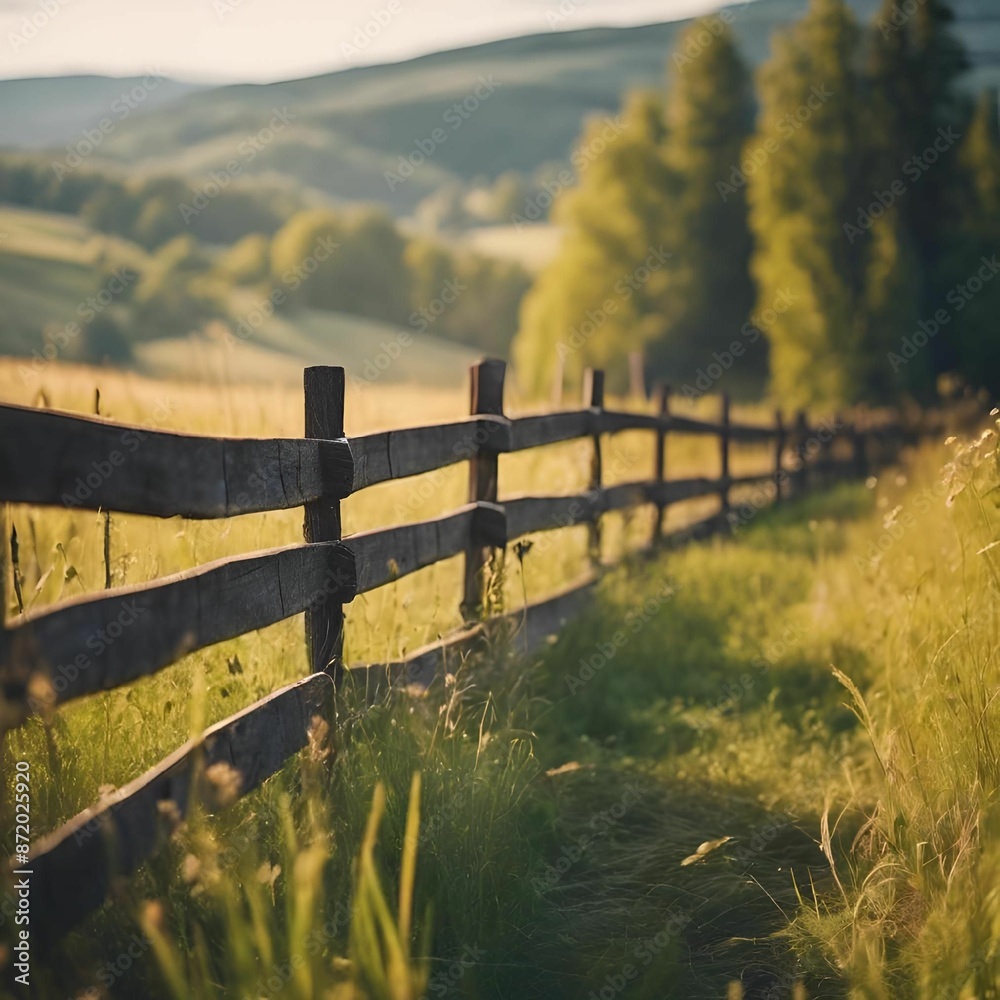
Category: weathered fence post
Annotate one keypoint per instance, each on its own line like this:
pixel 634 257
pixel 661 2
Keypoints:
pixel 779 452
pixel 485 397
pixel 801 473
pixel 323 387
pixel 827 448
pixel 662 401
pixel 724 441
pixel 859 441
pixel 593 398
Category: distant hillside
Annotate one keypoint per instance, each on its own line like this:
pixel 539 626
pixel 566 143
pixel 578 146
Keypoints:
pixel 51 111
pixel 350 127
pixel 51 266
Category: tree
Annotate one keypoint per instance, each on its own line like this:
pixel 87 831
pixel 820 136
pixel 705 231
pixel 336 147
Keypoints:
pixel 968 271
pixel 709 118
pixel 914 64
pixel 808 179
pixel 348 262
pixel 604 295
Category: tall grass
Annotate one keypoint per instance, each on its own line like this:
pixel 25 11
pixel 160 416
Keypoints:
pixel 759 767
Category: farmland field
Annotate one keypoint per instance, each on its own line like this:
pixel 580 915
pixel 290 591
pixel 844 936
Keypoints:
pixel 718 724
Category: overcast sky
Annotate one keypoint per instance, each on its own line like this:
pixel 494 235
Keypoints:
pixel 262 40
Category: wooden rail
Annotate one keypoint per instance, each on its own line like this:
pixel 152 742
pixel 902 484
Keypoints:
pixel 94 643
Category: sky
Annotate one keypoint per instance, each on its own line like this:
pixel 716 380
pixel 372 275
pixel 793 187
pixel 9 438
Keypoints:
pixel 266 40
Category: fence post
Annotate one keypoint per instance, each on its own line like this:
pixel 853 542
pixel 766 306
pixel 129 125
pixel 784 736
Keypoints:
pixel 826 450
pixel 724 439
pixel 485 397
pixel 593 398
pixel 779 451
pixel 662 402
pixel 859 440
pixel 323 388
pixel 801 439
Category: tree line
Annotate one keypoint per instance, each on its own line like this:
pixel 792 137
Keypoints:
pixel 828 227
pixel 203 242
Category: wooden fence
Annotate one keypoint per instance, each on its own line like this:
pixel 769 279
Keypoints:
pixel 45 456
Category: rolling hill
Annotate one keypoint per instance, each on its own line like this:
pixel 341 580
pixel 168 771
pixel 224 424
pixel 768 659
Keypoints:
pixel 51 265
pixel 348 128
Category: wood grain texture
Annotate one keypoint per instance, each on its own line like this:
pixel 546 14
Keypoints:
pixel 550 428
pixel 625 495
pixel 661 400
pixel 528 514
pixel 99 642
pixel 324 392
pixel 398 454
pixel 66 460
pixel 615 421
pixel 391 553
pixel 678 490
pixel 74 866
pixel 486 388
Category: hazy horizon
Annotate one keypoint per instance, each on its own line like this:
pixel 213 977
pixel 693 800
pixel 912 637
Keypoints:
pixel 260 41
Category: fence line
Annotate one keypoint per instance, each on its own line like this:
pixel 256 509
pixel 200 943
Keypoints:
pixel 59 459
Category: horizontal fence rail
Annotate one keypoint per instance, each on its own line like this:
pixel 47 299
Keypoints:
pixel 86 462
pixel 73 867
pixel 103 641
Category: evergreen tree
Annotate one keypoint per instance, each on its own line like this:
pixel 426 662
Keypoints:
pixel 914 64
pixel 968 272
pixel 809 174
pixel 604 294
pixel 709 118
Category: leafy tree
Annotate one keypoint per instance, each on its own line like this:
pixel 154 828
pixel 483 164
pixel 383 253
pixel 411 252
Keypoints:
pixel 176 293
pixel 968 272
pixel 811 156
pixel 914 65
pixel 605 293
pixel 709 117
pixel 348 262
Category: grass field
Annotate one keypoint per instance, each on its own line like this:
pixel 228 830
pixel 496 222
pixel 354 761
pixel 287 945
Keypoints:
pixel 716 724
